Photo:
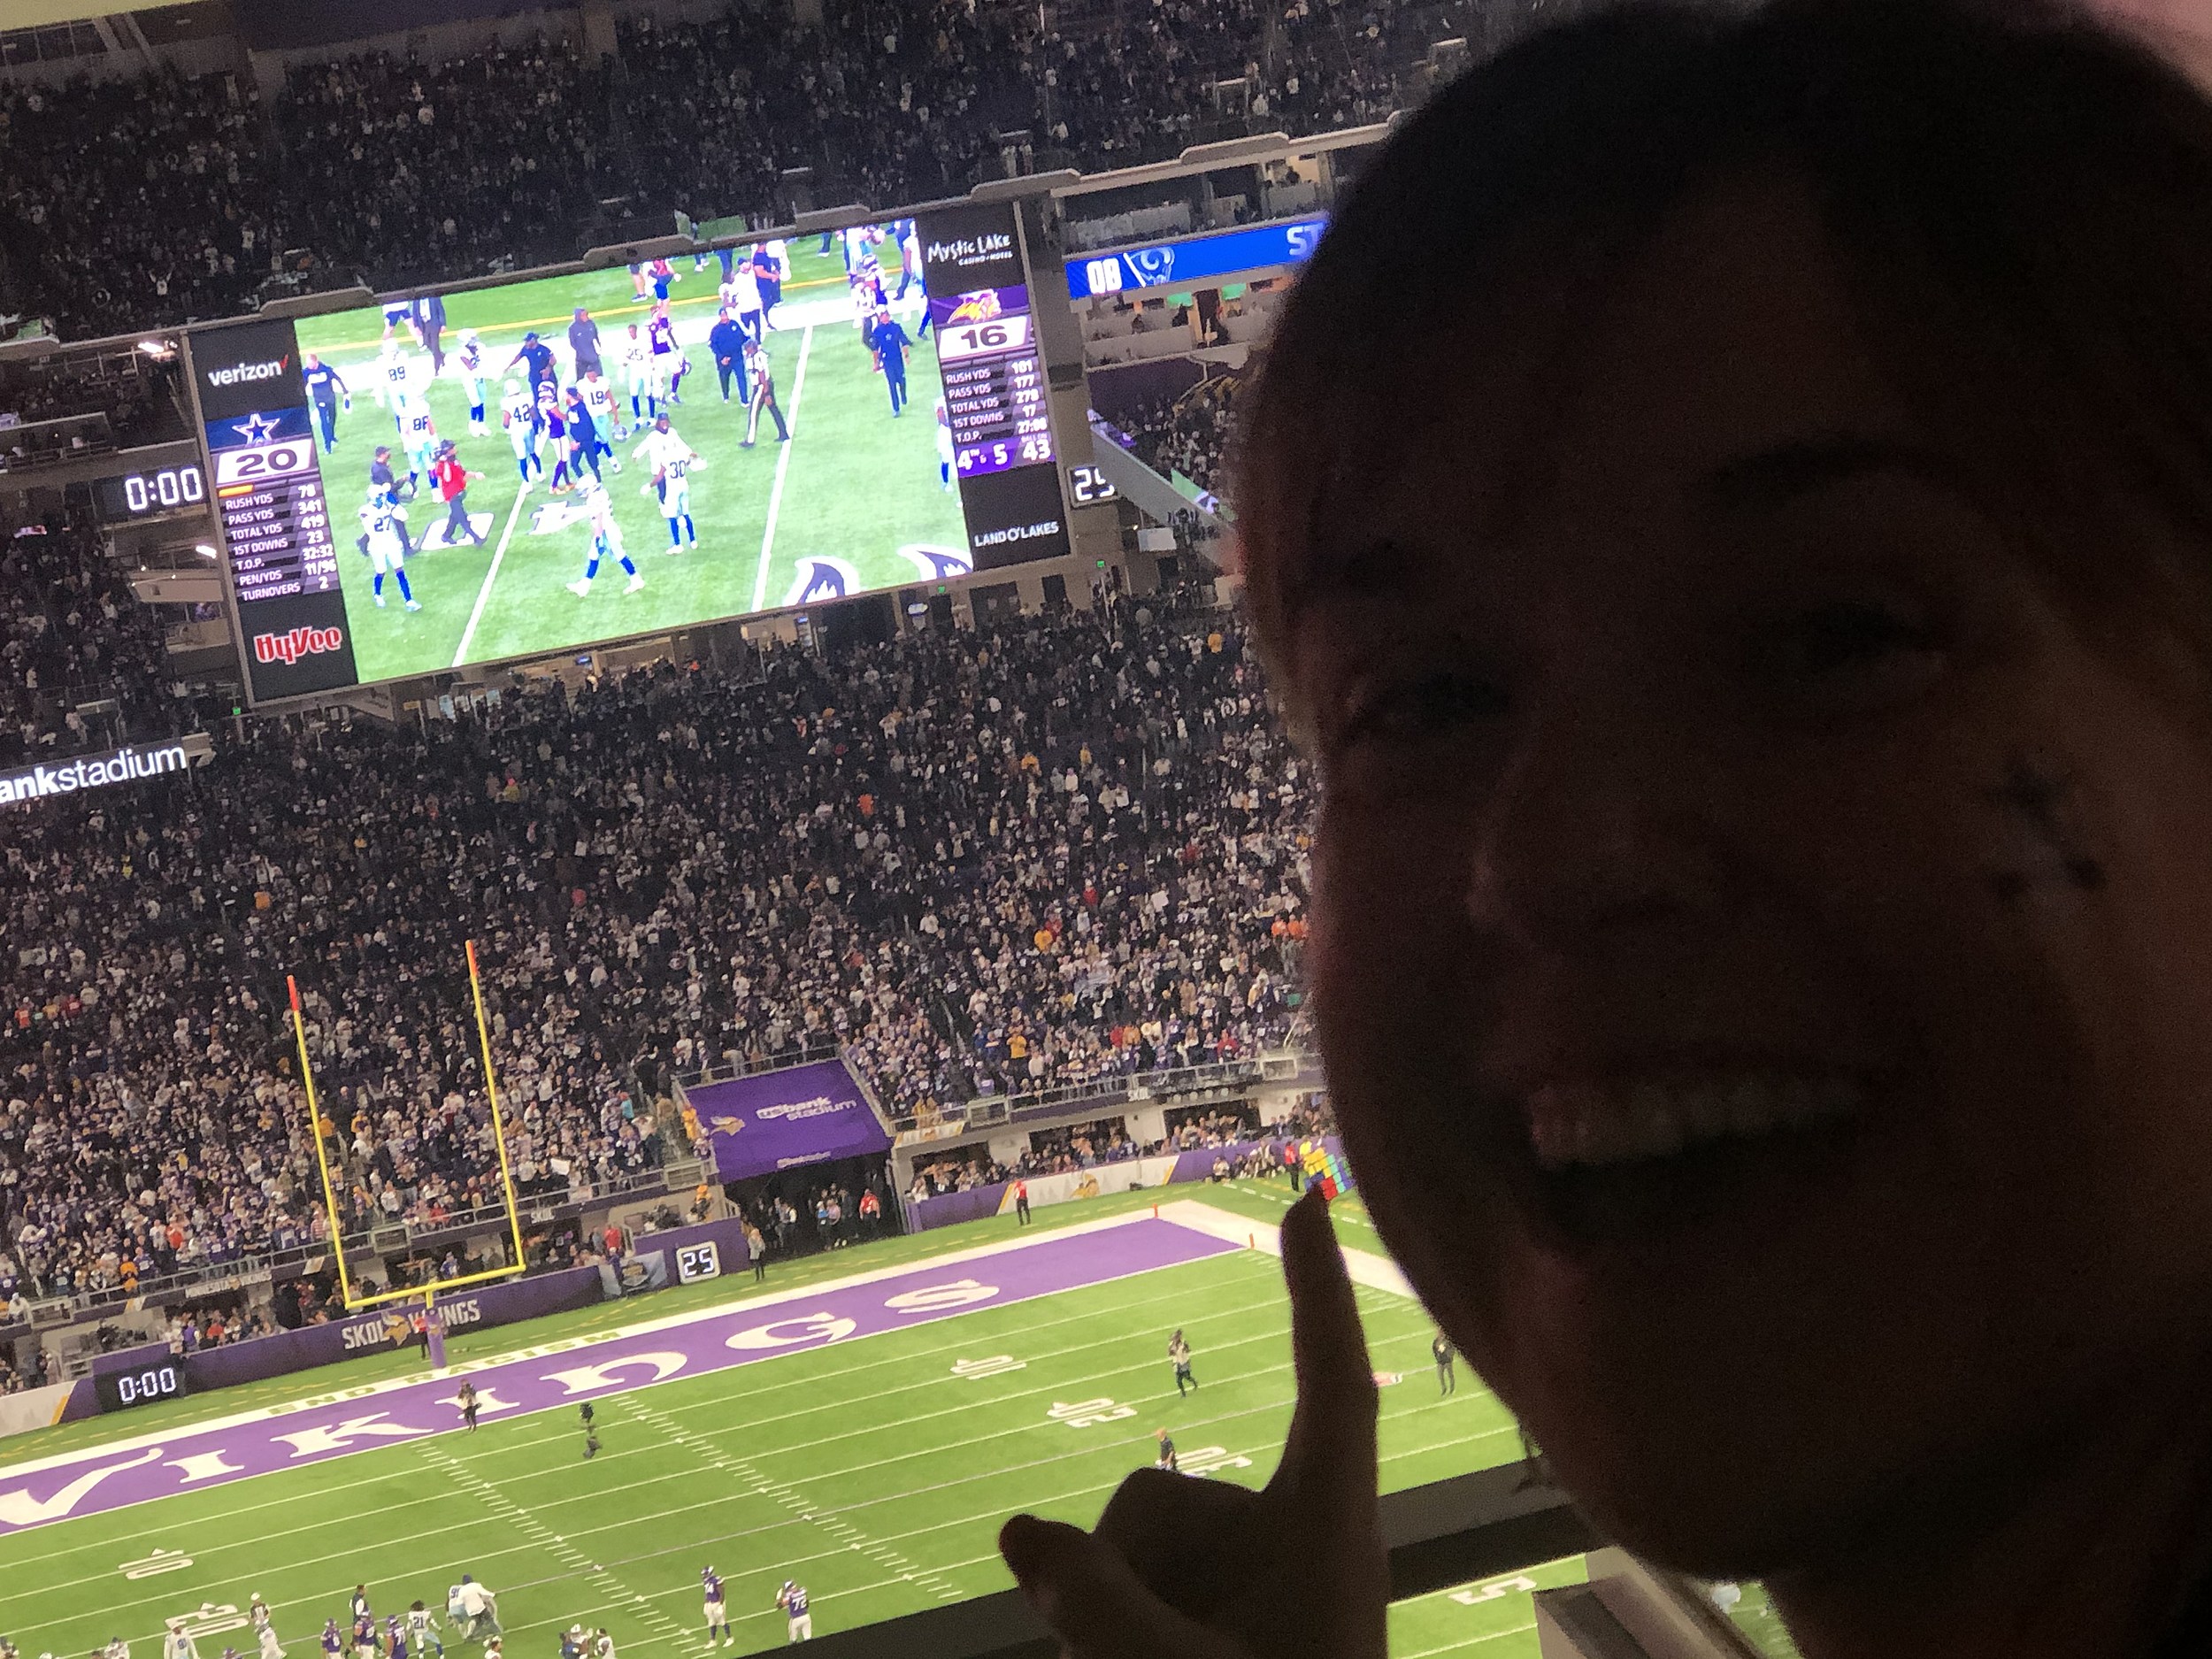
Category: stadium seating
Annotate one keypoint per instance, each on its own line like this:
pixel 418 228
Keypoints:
pixel 1053 855
pixel 397 172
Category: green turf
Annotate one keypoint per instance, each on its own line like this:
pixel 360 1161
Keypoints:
pixel 868 1470
pixel 857 486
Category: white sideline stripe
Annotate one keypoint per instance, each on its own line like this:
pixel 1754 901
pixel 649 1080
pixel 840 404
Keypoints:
pixel 1377 1272
pixel 643 1327
pixel 484 593
pixel 783 465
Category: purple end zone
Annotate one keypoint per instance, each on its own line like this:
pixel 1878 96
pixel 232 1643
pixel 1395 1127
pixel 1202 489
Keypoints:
pixel 104 1479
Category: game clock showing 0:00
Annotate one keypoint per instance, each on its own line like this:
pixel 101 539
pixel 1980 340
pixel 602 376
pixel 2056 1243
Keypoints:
pixel 142 494
pixel 118 1390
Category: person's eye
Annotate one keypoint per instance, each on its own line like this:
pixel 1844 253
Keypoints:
pixel 1430 708
pixel 1849 654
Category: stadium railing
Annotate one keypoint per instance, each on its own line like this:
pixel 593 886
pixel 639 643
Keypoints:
pixel 1450 1532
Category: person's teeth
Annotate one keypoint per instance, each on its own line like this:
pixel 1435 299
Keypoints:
pixel 1596 1124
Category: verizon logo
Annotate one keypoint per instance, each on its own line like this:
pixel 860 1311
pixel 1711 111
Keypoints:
pixel 289 647
pixel 238 373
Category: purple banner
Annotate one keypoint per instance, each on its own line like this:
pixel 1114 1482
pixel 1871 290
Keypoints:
pixel 192 1459
pixel 780 1120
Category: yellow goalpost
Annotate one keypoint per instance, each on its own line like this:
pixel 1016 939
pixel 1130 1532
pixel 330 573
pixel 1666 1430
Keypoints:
pixel 427 1294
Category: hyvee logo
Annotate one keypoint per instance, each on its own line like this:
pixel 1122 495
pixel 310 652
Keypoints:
pixel 290 647
pixel 238 373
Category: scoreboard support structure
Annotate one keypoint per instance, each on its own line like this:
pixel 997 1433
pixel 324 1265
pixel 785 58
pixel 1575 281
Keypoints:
pixel 434 1331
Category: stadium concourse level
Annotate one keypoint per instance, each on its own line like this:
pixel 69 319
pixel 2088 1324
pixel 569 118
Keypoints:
pixel 128 203
pixel 1064 851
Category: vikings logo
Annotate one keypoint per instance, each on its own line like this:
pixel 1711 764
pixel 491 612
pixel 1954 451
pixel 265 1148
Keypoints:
pixel 979 307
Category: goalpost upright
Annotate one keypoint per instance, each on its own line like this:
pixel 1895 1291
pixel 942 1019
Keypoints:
pixel 427 1294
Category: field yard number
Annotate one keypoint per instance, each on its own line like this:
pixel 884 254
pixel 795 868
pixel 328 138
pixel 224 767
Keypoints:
pixel 1494 1591
pixel 1088 1413
pixel 1211 1460
pixel 959 1293
pixel 154 1565
pixel 209 1618
pixel 997 1365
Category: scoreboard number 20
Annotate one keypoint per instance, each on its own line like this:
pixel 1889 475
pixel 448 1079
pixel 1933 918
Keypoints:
pixel 262 462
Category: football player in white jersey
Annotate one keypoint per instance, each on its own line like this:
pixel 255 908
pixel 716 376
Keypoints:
pixel 519 414
pixel 606 539
pixel 422 1632
pixel 599 405
pixel 471 357
pixel 671 459
pixel 380 519
pixel 419 438
pixel 400 378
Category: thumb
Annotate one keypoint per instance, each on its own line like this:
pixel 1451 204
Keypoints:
pixel 1086 1592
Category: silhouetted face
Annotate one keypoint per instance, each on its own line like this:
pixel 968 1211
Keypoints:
pixel 1760 936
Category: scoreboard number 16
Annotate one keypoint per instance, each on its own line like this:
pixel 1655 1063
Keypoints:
pixel 263 462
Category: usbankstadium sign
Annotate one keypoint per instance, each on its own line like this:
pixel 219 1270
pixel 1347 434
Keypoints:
pixel 128 765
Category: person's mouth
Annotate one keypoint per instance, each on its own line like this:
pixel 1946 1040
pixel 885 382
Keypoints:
pixel 1632 1158
pixel 1641 1120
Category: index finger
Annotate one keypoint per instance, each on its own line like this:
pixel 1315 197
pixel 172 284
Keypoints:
pixel 1329 1454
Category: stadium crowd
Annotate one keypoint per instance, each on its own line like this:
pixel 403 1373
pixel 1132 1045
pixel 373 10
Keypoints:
pixel 1057 852
pixel 71 632
pixel 1188 435
pixel 1086 1146
pixel 399 171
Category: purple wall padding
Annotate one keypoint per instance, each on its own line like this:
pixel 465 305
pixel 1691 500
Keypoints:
pixel 380 1330
pixel 727 1236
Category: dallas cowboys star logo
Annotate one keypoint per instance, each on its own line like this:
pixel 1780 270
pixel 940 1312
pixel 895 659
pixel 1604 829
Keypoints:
pixel 256 428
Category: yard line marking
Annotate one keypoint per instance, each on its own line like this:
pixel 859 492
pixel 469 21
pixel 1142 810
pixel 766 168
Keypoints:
pixel 783 465
pixel 854 1540
pixel 777 1298
pixel 484 593
pixel 809 1445
pixel 1117 1305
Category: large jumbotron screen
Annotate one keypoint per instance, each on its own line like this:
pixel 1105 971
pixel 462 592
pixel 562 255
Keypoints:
pixel 885 480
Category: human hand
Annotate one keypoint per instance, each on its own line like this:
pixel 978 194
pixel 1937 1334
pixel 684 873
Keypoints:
pixel 1207 1571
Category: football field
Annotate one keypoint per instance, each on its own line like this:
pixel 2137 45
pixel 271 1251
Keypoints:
pixel 853 502
pixel 860 1425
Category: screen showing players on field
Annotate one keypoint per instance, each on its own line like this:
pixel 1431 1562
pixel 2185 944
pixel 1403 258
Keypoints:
pixel 520 469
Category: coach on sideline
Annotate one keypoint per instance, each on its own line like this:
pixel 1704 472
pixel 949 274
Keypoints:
pixel 1760 904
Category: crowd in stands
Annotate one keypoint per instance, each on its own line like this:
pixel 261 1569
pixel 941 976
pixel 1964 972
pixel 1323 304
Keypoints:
pixel 71 632
pixel 132 396
pixel 1189 434
pixel 1086 1146
pixel 1059 852
pixel 131 203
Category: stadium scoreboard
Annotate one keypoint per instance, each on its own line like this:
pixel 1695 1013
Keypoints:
pixel 310 620
pixel 977 280
pixel 280 552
